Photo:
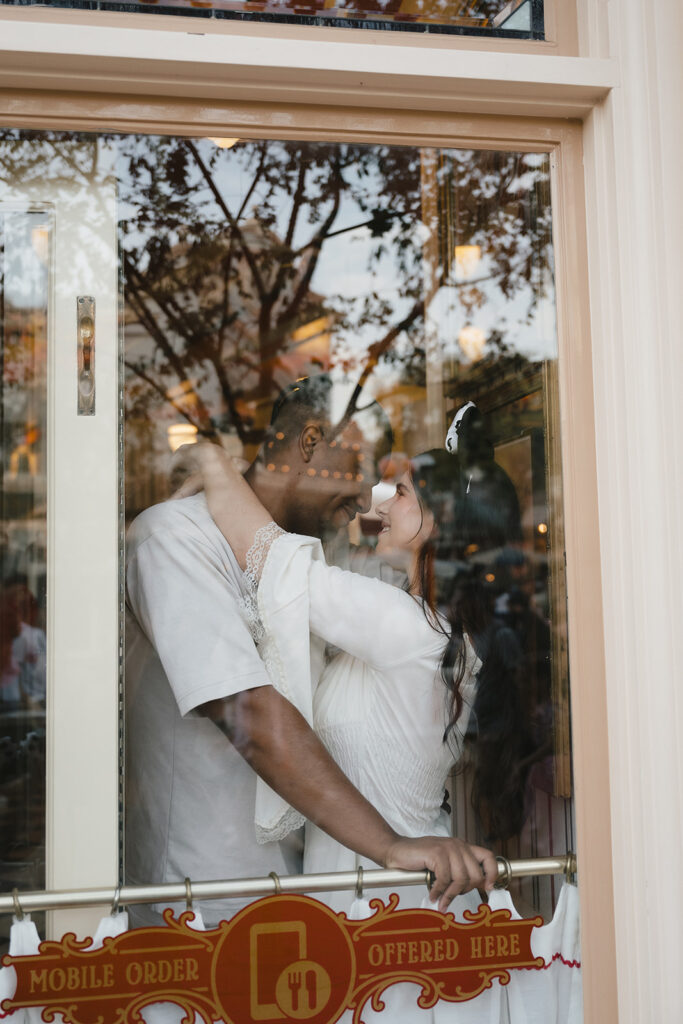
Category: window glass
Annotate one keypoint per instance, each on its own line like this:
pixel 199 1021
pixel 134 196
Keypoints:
pixel 367 332
pixel 25 241
pixel 521 19
pixel 421 280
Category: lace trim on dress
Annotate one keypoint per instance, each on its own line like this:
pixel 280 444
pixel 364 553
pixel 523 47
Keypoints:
pixel 291 821
pixel 256 559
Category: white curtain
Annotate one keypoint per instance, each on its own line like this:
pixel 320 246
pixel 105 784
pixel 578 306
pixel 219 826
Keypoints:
pixel 553 993
pixel 23 941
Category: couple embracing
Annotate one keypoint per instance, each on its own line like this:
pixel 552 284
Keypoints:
pixel 239 731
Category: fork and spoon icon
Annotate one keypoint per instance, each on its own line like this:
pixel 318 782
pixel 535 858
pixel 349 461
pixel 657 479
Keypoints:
pixel 296 983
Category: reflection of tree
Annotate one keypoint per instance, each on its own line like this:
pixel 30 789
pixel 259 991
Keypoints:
pixel 221 283
pixel 222 251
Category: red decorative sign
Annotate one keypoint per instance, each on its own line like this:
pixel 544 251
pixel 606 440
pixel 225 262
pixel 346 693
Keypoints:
pixel 284 958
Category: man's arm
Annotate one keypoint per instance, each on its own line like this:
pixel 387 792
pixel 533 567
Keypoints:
pixel 277 742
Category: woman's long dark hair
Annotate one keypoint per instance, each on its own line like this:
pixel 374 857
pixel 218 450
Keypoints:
pixel 475 507
pixel 435 481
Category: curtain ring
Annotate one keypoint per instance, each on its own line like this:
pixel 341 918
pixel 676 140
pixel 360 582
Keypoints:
pixel 276 880
pixel 430 878
pixel 115 904
pixel 359 883
pixel 570 866
pixel 188 894
pixel 18 912
pixel 504 880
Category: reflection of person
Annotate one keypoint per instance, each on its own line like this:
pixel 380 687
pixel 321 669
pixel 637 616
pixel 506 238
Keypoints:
pixel 485 535
pixel 22 675
pixel 202 719
pixel 10 629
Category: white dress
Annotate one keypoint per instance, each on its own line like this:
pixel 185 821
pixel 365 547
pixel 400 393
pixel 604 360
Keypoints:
pixel 380 710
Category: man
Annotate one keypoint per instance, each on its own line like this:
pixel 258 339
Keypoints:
pixel 202 717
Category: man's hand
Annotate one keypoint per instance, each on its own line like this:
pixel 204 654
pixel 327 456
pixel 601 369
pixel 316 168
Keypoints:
pixel 457 866
pixel 280 746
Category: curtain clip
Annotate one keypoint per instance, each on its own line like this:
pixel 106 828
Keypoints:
pixel 188 894
pixel 570 867
pixel 504 873
pixel 276 880
pixel 359 883
pixel 18 912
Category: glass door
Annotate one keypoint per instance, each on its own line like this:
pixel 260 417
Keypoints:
pixel 59 799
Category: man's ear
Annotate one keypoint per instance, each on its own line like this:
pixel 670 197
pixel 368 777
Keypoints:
pixel 309 439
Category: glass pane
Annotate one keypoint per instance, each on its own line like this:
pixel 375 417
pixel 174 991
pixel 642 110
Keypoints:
pixel 522 19
pixel 367 332
pixel 419 279
pixel 25 236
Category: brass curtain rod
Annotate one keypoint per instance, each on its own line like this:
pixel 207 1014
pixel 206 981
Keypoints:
pixel 172 892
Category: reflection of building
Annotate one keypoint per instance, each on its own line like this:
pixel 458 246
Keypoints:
pixel 23 547
pixel 24 453
pixel 474 15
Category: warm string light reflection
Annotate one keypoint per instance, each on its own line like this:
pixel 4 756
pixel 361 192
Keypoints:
pixel 467 259
pixel 472 341
pixel 179 434
pixel 223 143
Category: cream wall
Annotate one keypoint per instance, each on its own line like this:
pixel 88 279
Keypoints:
pixel 634 156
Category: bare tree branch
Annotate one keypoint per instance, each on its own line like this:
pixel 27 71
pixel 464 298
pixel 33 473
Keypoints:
pixel 376 351
pixel 254 183
pixel 316 246
pixel 160 390
pixel 248 255
pixel 150 324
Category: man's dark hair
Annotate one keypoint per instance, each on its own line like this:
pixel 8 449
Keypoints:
pixel 311 397
pixel 306 397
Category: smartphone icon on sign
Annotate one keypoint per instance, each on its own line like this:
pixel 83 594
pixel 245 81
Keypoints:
pixel 272 948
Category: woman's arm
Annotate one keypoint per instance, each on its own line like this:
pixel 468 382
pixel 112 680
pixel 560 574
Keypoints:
pixel 369 619
pixel 234 507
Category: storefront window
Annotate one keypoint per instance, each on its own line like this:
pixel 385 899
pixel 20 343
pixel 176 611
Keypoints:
pixel 520 19
pixel 368 331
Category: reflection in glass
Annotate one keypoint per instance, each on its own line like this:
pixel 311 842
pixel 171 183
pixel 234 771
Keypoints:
pixel 24 250
pixel 516 18
pixel 422 279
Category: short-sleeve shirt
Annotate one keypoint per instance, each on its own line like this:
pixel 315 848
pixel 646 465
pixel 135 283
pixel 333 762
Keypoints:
pixel 189 794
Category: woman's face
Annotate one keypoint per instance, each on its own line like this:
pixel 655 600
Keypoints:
pixel 406 524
